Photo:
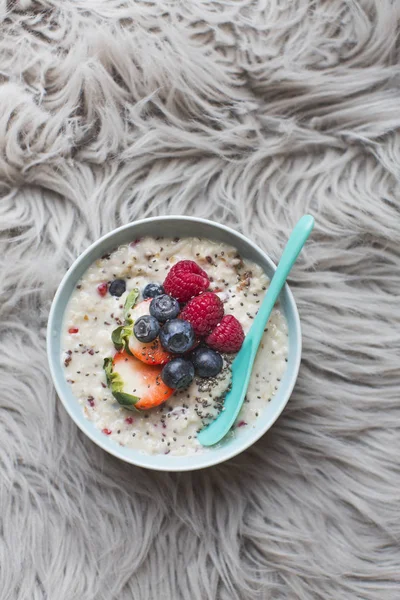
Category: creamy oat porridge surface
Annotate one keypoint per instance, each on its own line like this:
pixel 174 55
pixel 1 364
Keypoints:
pixel 90 319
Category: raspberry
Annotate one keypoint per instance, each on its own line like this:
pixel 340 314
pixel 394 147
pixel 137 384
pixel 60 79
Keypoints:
pixel 228 336
pixel 186 280
pixel 203 312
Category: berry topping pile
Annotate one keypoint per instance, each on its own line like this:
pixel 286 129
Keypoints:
pixel 178 373
pixel 206 362
pixel 177 336
pixel 203 312
pixel 152 290
pixel 185 280
pixel 146 328
pixel 178 331
pixel 117 287
pixel 164 307
pixel 228 335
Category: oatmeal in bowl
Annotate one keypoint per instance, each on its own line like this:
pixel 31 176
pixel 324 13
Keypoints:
pixel 143 331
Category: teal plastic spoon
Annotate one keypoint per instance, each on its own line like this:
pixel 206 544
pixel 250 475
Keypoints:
pixel 243 363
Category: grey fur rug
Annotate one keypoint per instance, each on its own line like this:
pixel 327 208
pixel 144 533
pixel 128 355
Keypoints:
pixel 250 113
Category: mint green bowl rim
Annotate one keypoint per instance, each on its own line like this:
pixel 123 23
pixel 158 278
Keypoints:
pixel 228 448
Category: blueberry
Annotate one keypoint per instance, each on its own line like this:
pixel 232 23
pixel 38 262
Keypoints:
pixel 152 290
pixel 146 328
pixel 178 373
pixel 206 362
pixel 177 336
pixel 117 287
pixel 164 307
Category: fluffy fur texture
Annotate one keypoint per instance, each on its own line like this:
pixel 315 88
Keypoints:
pixel 246 112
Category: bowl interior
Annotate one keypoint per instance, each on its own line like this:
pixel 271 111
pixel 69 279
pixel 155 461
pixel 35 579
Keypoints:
pixel 172 227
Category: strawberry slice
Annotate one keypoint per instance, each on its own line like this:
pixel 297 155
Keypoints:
pixel 152 353
pixel 141 382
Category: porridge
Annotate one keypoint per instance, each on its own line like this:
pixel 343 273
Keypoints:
pixel 150 332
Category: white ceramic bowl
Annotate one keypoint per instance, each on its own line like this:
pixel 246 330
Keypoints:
pixel 172 227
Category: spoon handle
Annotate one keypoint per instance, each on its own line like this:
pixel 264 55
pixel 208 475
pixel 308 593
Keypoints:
pixel 243 363
pixel 292 249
